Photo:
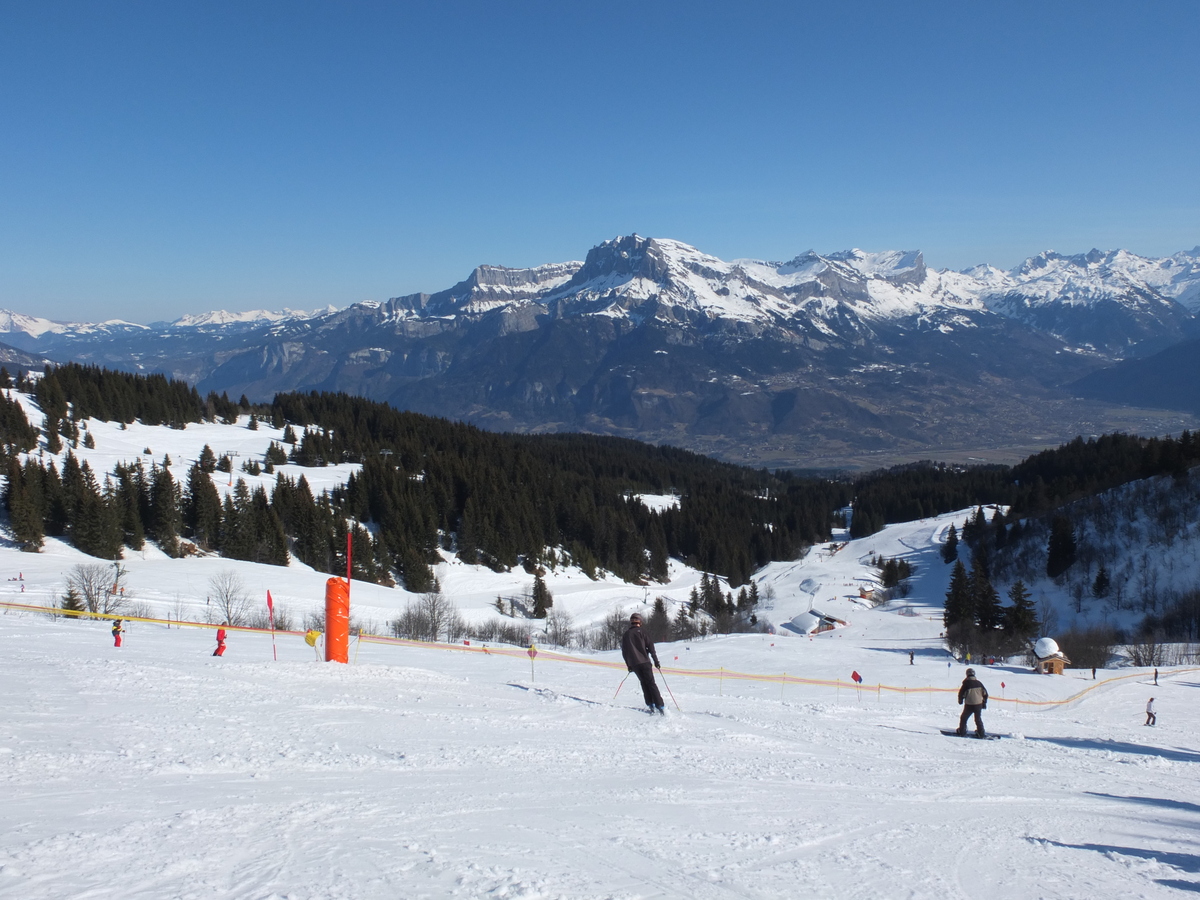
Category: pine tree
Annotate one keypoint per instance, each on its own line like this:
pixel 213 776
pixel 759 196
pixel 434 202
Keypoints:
pixel 1103 583
pixel 276 455
pixel 1060 551
pixel 981 557
pixel 207 461
pixel 72 603
pixel 541 597
pixel 657 566
pixel 25 508
pixel 959 606
pixel 164 521
pixel 53 438
pixel 95 524
pixel 230 543
pixel 202 509
pixel 1020 619
pixel 683 629
pixel 950 548
pixel 658 626
pixel 129 506
pixel 985 600
pixel 262 531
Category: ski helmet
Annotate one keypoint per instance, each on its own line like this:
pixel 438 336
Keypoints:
pixel 636 617
pixel 970 673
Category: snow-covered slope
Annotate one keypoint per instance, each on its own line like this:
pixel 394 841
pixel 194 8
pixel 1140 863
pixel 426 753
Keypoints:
pixel 487 289
pixel 1066 294
pixel 17 325
pixel 155 770
pixel 1087 278
pixel 221 318
pixel 11 322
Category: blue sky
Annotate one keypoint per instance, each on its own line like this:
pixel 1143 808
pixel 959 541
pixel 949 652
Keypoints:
pixel 160 158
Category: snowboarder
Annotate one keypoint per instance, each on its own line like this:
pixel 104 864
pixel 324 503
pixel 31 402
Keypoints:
pixel 117 631
pixel 311 637
pixel 973 696
pixel 638 651
pixel 1151 718
pixel 220 651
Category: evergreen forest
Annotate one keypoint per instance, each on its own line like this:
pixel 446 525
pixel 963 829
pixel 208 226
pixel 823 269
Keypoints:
pixel 426 484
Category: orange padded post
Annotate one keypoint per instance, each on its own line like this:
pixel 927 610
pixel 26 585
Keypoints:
pixel 337 621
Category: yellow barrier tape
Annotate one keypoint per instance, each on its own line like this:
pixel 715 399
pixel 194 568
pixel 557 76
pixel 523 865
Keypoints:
pixel 516 652
pixel 555 656
pixel 180 623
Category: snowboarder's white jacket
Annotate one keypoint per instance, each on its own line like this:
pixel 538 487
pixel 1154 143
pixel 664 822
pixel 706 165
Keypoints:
pixel 972 693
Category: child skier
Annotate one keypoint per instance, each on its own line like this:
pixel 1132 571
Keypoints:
pixel 220 651
pixel 117 631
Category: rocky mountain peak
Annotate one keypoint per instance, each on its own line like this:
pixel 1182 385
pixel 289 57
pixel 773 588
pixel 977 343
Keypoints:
pixel 630 256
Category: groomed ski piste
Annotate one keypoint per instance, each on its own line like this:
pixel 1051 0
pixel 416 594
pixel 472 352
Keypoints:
pixel 156 770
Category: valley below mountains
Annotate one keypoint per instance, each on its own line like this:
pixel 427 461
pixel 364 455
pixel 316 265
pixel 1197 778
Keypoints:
pixel 848 359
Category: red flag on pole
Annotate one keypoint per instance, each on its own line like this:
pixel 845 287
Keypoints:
pixel 857 678
pixel 271 614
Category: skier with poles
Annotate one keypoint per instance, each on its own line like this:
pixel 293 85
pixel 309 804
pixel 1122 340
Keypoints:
pixel 117 631
pixel 220 651
pixel 638 651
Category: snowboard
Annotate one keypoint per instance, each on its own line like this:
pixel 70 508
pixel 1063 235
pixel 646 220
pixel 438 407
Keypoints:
pixel 949 732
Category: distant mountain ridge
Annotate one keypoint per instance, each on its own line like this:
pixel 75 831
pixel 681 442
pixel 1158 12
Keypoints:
pixel 811 358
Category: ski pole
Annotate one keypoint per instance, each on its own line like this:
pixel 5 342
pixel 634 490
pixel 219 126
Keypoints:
pixel 668 687
pixel 621 685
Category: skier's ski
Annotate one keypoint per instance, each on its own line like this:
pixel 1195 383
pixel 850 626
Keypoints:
pixel 547 694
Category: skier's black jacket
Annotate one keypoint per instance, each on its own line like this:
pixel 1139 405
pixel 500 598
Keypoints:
pixel 637 649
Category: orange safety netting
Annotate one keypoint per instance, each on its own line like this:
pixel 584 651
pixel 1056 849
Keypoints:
pixel 555 656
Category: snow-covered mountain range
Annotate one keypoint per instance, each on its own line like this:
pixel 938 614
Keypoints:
pixel 1106 302
pixel 655 339
pixel 621 275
